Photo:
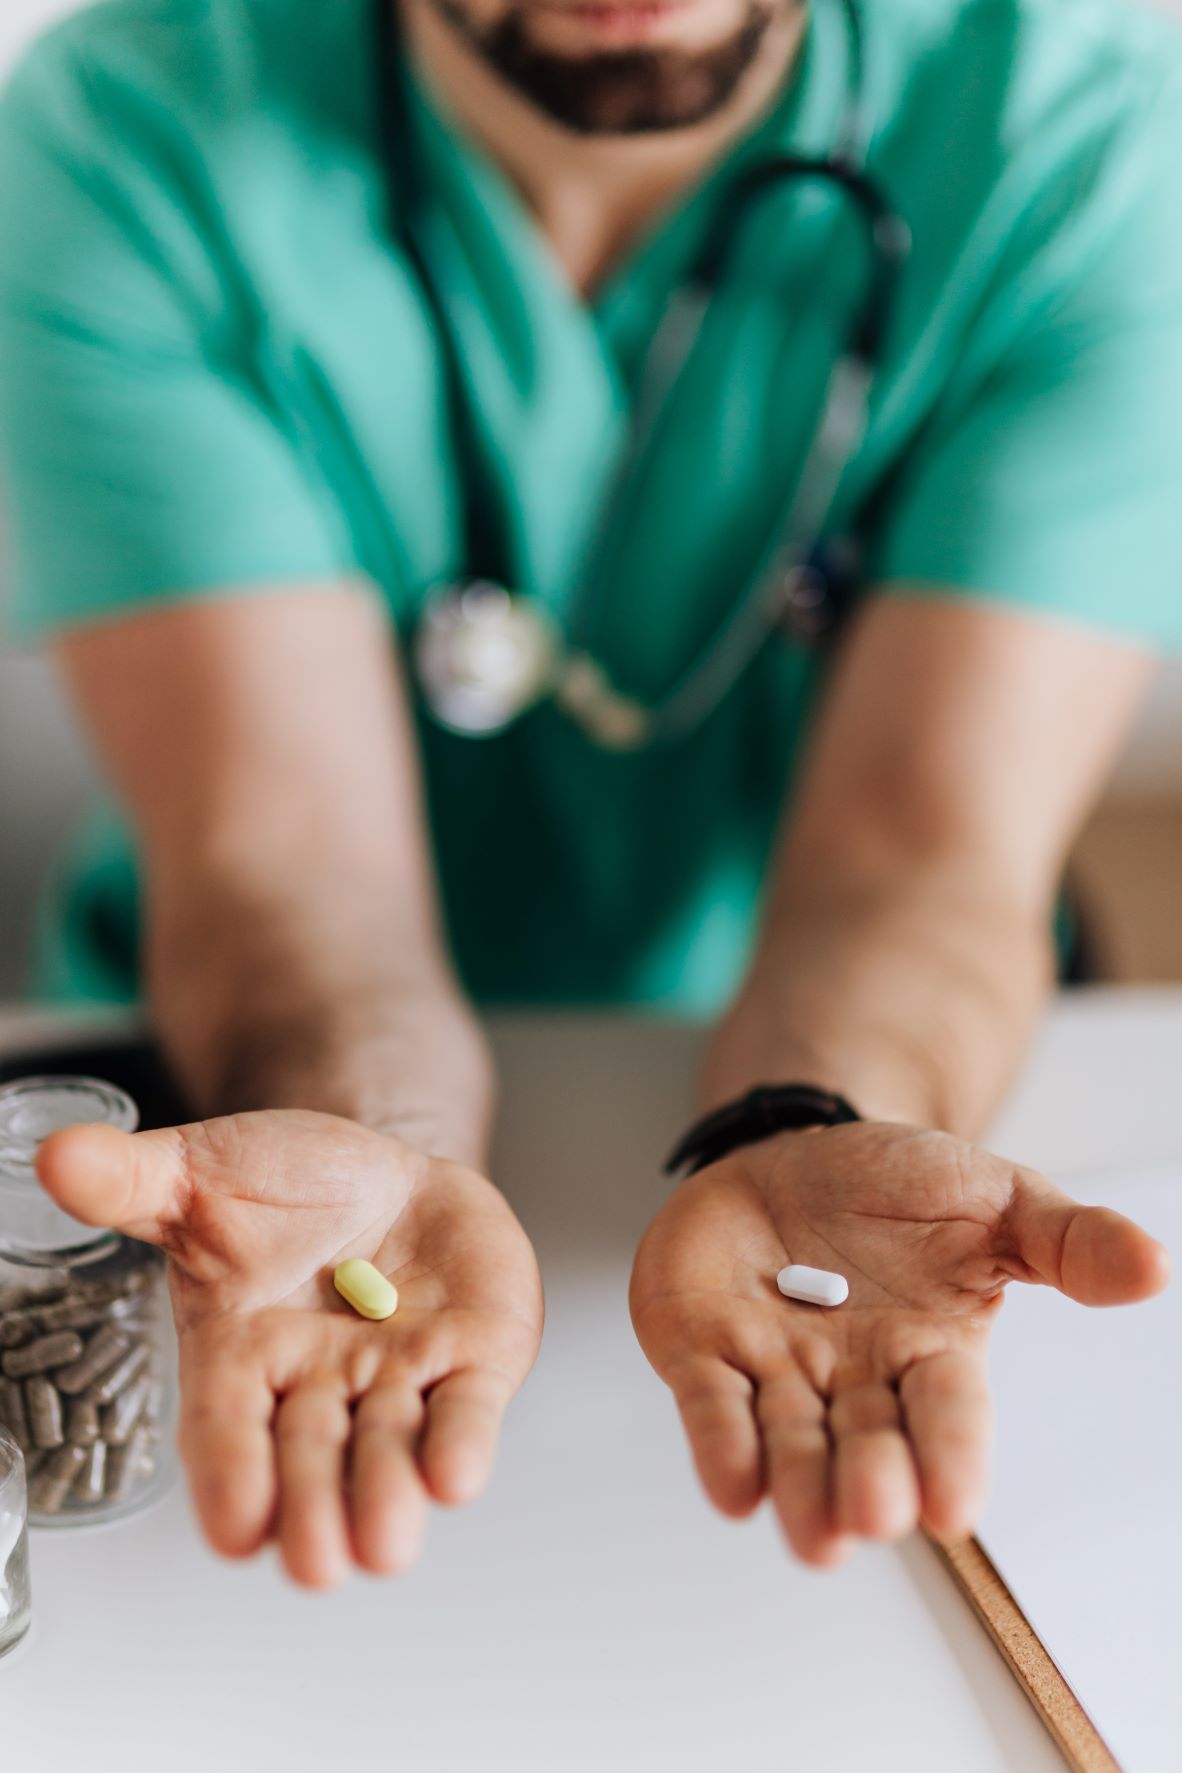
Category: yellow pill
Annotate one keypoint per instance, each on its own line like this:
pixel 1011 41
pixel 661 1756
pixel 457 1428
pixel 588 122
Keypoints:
pixel 366 1288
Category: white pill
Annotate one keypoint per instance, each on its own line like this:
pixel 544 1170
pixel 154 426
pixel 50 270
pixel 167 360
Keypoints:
pixel 816 1286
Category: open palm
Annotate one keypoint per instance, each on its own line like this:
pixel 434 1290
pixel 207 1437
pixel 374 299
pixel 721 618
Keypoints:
pixel 863 1420
pixel 299 1419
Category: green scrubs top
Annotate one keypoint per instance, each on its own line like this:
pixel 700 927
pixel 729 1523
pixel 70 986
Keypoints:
pixel 217 371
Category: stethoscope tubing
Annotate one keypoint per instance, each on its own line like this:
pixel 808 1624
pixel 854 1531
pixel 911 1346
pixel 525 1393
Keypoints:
pixel 794 549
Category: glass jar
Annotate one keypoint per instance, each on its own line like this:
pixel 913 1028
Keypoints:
pixel 15 1601
pixel 87 1374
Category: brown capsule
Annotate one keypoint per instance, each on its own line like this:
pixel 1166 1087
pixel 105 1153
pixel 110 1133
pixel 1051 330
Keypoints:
pixel 82 1421
pixel 45 1411
pixel 121 1416
pixel 46 1352
pixel 118 1286
pixel 51 1485
pixel 127 1464
pixel 89 1295
pixel 120 1377
pixel 85 1292
pixel 13 1414
pixel 91 1479
pixel 17 1328
pixel 20 1299
pixel 70 1314
pixel 105 1347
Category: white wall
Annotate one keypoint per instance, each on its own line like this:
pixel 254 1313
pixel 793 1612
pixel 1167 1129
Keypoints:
pixel 23 18
pixel 45 778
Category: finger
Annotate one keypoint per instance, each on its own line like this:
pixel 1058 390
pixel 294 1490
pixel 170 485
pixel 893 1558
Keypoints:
pixel 464 1415
pixel 717 1405
pixel 875 1486
pixel 796 1443
pixel 1090 1253
pixel 388 1503
pixel 225 1442
pixel 949 1419
pixel 135 1182
pixel 311 1431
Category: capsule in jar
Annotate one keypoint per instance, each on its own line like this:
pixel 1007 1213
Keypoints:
pixel 121 1376
pixel 127 1463
pixel 105 1347
pixel 44 1405
pixel 82 1421
pixel 13 1415
pixel 17 1328
pixel 44 1353
pixel 89 1485
pixel 52 1482
pixel 70 1314
pixel 120 1416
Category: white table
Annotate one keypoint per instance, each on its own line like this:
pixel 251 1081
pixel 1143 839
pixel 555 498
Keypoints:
pixel 591 1613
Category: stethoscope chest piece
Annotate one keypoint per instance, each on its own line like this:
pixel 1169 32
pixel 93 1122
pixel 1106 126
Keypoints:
pixel 483 655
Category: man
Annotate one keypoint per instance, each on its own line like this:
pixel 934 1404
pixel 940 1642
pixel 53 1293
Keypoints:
pixel 235 465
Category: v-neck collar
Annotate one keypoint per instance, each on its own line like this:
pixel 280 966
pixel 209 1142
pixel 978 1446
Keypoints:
pixel 553 377
pixel 801 116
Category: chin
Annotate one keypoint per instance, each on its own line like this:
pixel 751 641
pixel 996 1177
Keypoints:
pixel 609 67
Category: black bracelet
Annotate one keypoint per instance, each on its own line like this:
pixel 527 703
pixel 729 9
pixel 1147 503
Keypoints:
pixel 769 1108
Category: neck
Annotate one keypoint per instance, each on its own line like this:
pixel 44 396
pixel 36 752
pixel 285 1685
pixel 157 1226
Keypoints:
pixel 593 197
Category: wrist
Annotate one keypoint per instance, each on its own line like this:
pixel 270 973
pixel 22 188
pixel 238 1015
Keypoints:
pixel 875 1070
pixel 423 1073
pixel 448 1117
pixel 758 1114
pixel 414 1064
pixel 428 1082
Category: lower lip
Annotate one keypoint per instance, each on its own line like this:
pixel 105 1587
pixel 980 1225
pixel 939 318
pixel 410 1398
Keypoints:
pixel 618 24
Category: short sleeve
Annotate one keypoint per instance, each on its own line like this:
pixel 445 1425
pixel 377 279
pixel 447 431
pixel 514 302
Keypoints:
pixel 139 459
pixel 1049 472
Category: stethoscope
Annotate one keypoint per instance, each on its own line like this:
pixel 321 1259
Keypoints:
pixel 483 654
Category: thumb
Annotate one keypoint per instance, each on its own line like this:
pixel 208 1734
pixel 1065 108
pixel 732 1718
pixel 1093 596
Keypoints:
pixel 133 1182
pixel 1092 1254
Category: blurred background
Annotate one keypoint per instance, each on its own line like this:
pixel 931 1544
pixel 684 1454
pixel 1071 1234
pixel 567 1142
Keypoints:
pixel 1127 868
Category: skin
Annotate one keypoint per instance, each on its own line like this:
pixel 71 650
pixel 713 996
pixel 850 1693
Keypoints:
pixel 302 1421
pixel 298 976
pixel 904 961
pixel 866 1420
pixel 595 196
pixel 298 980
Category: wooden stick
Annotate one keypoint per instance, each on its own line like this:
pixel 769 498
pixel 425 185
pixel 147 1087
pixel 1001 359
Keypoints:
pixel 1075 1735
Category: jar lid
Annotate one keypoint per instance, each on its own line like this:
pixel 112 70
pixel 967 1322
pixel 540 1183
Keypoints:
pixel 32 1226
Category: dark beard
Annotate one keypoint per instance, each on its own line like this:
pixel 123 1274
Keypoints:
pixel 617 92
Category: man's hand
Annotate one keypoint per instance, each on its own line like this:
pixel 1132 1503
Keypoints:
pixel 864 1420
pixel 299 1419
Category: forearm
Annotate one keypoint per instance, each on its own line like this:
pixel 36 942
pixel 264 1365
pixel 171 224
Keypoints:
pixel 333 995
pixel 912 989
